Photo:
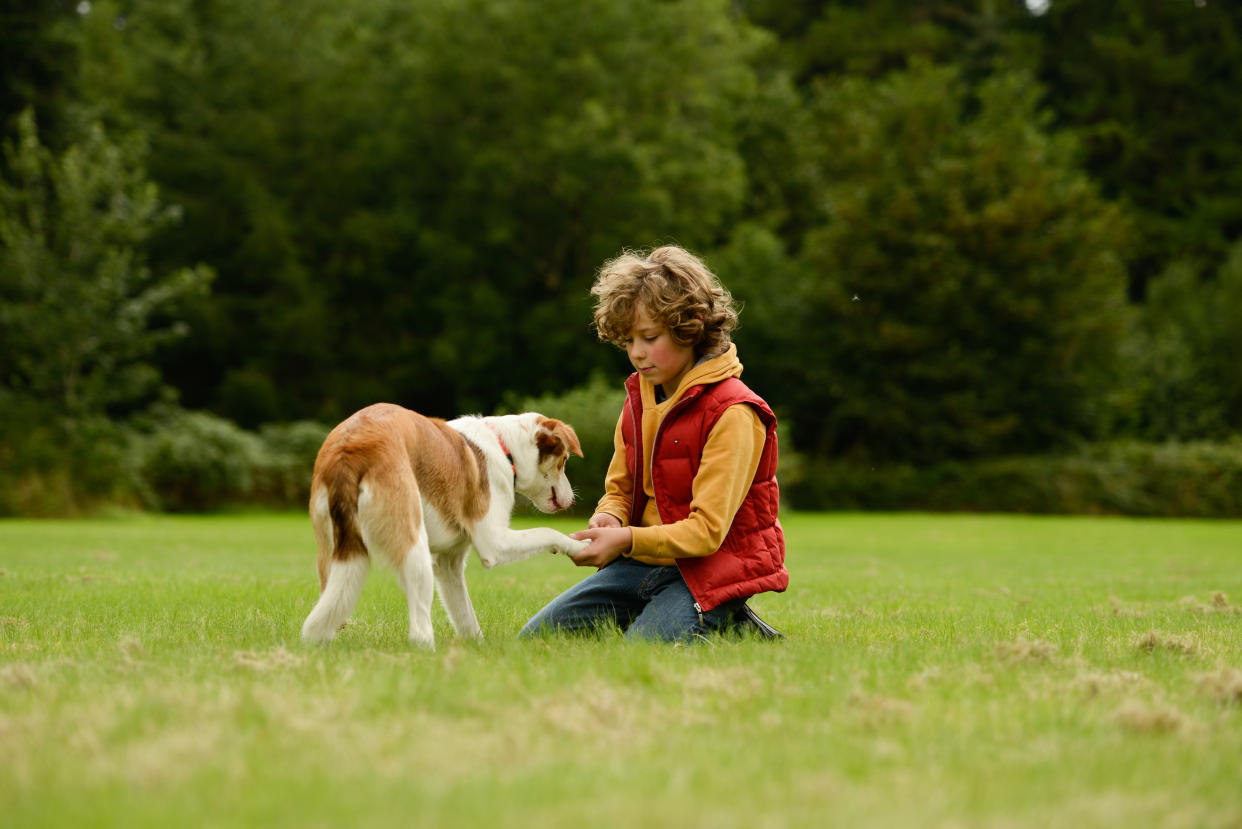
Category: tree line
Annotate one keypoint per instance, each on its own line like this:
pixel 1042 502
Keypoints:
pixel 960 229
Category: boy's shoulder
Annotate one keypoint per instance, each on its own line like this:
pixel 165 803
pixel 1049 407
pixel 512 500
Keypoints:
pixel 733 390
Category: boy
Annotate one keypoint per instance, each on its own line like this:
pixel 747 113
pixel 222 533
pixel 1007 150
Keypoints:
pixel 687 529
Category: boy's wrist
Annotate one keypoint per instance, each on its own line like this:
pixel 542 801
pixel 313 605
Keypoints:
pixel 605 519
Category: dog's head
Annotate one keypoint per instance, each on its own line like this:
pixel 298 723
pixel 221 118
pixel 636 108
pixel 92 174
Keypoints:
pixel 541 469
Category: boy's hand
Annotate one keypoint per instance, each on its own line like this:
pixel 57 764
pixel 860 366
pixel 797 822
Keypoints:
pixel 606 544
pixel 603 519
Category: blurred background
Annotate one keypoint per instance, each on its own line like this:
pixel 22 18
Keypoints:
pixel 989 252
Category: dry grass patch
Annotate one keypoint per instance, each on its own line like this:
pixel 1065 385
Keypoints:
pixel 1155 640
pixel 876 709
pixel 14 623
pixel 925 678
pixel 1150 718
pixel 278 658
pixel 1027 650
pixel 597 710
pixel 1217 603
pixel 18 675
pixel 1119 610
pixel 734 683
pixel 1224 686
pixel 1094 684
pixel 133 652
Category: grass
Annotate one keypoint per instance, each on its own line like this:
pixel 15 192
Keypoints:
pixel 940 671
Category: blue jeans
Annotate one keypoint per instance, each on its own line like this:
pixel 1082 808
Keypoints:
pixel 646 601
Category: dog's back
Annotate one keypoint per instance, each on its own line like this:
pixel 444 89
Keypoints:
pixel 372 474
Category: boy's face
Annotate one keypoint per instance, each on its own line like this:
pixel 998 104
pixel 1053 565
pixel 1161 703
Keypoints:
pixel 654 353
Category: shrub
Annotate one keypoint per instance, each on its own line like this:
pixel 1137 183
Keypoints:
pixel 284 474
pixel 197 461
pixel 1152 479
pixel 53 466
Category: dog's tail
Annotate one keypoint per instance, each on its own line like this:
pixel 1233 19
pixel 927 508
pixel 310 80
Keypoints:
pixel 341 483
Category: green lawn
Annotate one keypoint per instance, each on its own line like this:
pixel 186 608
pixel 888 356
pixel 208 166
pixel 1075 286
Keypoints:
pixel 946 671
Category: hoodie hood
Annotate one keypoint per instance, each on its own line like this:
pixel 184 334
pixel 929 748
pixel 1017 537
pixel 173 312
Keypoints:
pixel 708 370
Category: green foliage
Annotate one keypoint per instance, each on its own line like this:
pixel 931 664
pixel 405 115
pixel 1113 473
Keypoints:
pixel 1166 479
pixel 1151 86
pixel 878 36
pixel 80 312
pixel 963 292
pixel 284 477
pixel 196 461
pixel 1185 375
pixel 81 318
pixel 36 61
pixel 51 466
pixel 407 202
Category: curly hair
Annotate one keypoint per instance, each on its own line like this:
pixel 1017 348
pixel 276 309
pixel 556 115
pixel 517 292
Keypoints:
pixel 675 288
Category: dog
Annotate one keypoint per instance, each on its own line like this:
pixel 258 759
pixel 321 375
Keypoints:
pixel 417 492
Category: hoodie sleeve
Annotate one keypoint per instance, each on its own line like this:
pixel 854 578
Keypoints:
pixel 618 485
pixel 730 459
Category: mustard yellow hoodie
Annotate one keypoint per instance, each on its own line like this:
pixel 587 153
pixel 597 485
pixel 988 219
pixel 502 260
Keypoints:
pixel 730 459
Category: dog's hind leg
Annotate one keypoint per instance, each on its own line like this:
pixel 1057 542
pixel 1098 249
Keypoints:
pixel 321 521
pixel 390 517
pixel 450 570
pixel 342 570
pixel 336 602
pixel 415 576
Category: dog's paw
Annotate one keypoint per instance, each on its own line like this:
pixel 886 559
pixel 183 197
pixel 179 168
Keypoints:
pixel 572 546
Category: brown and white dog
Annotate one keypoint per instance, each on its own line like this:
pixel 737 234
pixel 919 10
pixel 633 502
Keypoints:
pixel 417 492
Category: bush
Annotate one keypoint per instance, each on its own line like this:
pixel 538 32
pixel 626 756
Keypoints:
pixel 283 477
pixel 197 461
pixel 52 466
pixel 1151 479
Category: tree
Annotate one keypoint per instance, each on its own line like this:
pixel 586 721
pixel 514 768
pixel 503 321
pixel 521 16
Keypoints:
pixel 35 60
pixel 80 312
pixel 1151 86
pixel 871 38
pixel 1185 378
pixel 962 293
pixel 408 201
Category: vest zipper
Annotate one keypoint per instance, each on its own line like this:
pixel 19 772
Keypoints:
pixel 636 519
pixel 685 399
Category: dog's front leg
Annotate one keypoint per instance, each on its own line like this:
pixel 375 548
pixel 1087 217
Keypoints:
pixel 507 545
pixel 450 569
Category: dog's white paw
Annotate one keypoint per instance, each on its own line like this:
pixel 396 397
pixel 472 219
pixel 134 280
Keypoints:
pixel 574 546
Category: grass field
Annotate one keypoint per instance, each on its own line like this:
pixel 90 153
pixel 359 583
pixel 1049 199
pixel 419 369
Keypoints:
pixel 943 671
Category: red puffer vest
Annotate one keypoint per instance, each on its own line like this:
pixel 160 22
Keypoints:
pixel 752 557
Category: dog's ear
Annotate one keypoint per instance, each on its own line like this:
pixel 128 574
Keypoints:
pixel 553 435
